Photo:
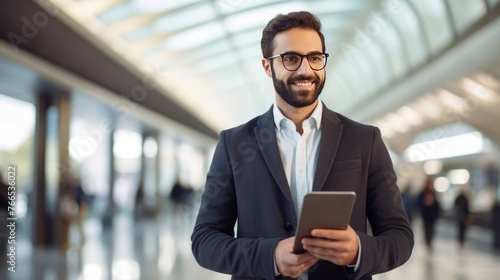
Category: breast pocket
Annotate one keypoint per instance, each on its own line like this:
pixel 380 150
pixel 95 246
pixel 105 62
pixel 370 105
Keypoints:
pixel 346 165
pixel 345 176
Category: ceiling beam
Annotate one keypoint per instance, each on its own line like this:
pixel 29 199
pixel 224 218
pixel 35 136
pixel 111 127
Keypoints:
pixel 26 25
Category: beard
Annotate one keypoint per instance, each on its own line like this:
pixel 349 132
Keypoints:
pixel 300 98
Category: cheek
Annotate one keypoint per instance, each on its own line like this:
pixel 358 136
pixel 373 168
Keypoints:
pixel 281 76
pixel 321 76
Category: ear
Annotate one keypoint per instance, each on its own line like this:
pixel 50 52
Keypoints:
pixel 266 64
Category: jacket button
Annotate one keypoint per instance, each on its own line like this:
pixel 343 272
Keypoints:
pixel 288 227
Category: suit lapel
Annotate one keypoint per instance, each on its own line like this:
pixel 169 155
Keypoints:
pixel 331 132
pixel 266 138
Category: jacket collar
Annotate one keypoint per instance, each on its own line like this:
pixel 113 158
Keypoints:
pixel 329 144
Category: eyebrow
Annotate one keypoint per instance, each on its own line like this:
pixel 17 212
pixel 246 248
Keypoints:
pixel 292 52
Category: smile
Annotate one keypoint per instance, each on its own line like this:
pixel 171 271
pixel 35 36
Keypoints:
pixel 303 84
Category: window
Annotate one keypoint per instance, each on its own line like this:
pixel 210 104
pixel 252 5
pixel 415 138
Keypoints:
pixel 434 17
pixel 466 12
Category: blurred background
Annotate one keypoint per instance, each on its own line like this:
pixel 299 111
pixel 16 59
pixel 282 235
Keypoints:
pixel 110 111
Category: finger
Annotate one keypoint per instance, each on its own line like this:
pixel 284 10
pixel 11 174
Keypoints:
pixel 303 258
pixel 339 256
pixel 294 271
pixel 318 251
pixel 310 262
pixel 334 257
pixel 317 244
pixel 333 234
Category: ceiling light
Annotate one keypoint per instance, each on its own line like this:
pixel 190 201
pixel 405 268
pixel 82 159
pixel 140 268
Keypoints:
pixel 433 167
pixel 410 115
pixel 397 122
pixel 451 100
pixel 487 80
pixel 385 128
pixel 441 184
pixel 127 144
pixel 150 147
pixel 427 105
pixel 458 176
pixel 454 146
pixel 476 89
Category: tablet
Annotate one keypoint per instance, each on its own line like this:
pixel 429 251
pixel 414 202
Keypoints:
pixel 330 210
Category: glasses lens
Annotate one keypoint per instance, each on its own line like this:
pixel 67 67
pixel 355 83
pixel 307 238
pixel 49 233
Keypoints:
pixel 317 61
pixel 291 61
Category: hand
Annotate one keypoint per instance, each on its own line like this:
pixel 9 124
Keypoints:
pixel 337 246
pixel 290 264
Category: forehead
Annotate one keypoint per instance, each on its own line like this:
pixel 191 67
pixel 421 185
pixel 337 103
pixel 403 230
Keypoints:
pixel 298 40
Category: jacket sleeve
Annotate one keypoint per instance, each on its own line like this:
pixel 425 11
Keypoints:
pixel 392 241
pixel 213 242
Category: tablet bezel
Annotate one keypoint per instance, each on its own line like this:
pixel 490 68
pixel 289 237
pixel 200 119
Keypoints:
pixel 338 202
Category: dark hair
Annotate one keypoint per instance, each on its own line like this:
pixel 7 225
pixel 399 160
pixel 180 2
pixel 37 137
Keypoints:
pixel 282 23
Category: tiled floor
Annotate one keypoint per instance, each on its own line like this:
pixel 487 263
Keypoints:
pixel 447 262
pixel 160 249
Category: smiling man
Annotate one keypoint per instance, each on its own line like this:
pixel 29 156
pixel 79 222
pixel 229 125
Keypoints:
pixel 261 171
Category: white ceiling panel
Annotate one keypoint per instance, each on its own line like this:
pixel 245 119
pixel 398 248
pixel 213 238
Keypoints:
pixel 206 53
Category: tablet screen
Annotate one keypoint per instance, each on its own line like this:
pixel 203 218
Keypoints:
pixel 329 210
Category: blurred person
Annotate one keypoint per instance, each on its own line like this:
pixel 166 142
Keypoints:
pixel 82 203
pixel 181 195
pixel 462 215
pixel 429 211
pixel 262 169
pixel 408 202
pixel 68 212
pixel 177 194
pixel 139 201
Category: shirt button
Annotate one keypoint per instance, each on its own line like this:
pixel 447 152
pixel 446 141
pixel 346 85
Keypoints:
pixel 288 227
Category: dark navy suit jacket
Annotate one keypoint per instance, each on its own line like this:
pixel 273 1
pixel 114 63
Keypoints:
pixel 247 184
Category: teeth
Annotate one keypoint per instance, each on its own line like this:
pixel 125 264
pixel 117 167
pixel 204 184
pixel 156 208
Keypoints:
pixel 303 84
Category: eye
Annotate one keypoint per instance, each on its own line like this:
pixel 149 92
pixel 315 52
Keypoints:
pixel 316 57
pixel 292 58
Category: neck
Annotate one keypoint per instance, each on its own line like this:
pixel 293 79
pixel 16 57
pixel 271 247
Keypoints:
pixel 297 115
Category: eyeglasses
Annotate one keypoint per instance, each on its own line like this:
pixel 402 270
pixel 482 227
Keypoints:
pixel 292 61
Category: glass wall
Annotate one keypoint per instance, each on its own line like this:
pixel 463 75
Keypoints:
pixel 91 127
pixel 17 120
pixel 127 151
pixel 435 20
pixel 466 12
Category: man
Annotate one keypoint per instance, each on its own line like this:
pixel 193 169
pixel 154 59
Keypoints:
pixel 262 169
pixel 462 215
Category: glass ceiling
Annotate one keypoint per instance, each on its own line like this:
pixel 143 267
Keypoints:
pixel 206 53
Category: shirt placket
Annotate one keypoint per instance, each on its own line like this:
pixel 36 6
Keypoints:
pixel 301 168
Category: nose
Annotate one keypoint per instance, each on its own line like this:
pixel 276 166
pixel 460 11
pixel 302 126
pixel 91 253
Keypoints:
pixel 305 68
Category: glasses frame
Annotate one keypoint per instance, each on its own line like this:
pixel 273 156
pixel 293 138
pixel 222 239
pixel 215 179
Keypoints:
pixel 301 59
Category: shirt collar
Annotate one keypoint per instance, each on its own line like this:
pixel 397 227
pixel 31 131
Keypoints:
pixel 314 121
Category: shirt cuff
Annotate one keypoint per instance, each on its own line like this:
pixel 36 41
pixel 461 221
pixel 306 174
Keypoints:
pixel 356 266
pixel 276 272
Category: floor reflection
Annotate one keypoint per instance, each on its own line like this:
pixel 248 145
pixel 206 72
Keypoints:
pixel 160 249
pixel 447 261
